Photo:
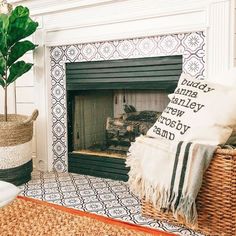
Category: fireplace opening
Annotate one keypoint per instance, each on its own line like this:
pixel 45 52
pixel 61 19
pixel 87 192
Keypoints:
pixel 105 122
pixel 109 103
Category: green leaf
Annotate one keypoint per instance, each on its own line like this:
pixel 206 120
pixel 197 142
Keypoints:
pixel 2 82
pixel 19 11
pixel 2 65
pixel 18 69
pixel 18 50
pixel 20 25
pixel 4 21
pixel 3 42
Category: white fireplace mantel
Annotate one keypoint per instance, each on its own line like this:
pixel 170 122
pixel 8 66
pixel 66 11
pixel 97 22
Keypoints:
pixel 68 22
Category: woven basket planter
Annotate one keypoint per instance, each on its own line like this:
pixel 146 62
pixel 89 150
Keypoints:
pixel 216 201
pixel 16 148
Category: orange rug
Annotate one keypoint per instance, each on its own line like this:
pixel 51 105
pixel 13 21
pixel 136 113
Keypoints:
pixel 31 217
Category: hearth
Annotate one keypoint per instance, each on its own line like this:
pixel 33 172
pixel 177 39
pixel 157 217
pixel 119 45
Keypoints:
pixel 109 104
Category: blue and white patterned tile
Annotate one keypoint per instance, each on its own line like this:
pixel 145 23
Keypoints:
pixel 193 66
pixel 124 195
pixel 99 185
pixel 35 183
pixel 34 187
pixel 103 190
pixel 129 201
pixel 51 190
pixel 119 188
pixel 72 201
pixel 70 195
pixel 89 199
pixel 88 192
pixel 193 42
pixel 58 111
pixel 57 73
pixel 56 53
pixel 107 197
pixel 68 188
pixel 93 206
pixel 134 209
pixel 58 164
pixel 111 204
pixel 114 204
pixel 63 178
pixel 50 185
pixel 59 130
pixel 117 212
pixel 125 48
pixel 105 50
pixel 52 196
pixel 59 148
pixel 71 53
pixel 58 91
pixel 83 187
pixel 65 183
pixel 139 219
pixel 146 46
pixel 34 192
pixel 168 44
pixel 88 52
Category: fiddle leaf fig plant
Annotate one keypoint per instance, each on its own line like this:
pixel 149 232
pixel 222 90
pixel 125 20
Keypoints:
pixel 14 27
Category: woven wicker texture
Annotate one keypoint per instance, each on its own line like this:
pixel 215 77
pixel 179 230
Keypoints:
pixel 28 217
pixel 17 130
pixel 216 201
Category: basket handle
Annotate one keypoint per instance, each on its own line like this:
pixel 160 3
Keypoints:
pixel 33 117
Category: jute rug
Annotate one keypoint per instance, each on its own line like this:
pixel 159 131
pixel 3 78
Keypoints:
pixel 31 217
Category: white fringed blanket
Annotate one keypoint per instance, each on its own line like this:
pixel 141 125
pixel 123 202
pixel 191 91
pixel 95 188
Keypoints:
pixel 169 174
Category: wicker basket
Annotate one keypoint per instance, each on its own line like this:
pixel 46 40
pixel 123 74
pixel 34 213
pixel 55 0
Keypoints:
pixel 216 201
pixel 16 148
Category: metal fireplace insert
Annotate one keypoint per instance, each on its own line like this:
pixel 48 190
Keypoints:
pixel 109 103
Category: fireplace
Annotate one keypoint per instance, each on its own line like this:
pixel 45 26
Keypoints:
pixel 110 103
pixel 190 45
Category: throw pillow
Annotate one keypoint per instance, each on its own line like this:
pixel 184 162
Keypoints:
pixel 198 111
pixel 227 77
pixel 8 192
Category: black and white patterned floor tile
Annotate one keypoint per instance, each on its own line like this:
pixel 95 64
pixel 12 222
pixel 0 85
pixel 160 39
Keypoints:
pixel 98 195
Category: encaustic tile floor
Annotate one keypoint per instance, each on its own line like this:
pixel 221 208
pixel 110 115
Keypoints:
pixel 97 195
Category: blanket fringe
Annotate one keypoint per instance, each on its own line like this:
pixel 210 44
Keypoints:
pixel 185 212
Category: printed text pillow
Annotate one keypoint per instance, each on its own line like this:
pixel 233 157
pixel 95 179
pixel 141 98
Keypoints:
pixel 198 111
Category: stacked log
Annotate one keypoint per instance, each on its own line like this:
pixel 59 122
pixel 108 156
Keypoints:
pixel 120 132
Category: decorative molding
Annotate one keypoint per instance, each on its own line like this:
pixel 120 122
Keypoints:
pixel 125 28
pixel 233 34
pixel 219 38
pixel 41 94
pixel 39 7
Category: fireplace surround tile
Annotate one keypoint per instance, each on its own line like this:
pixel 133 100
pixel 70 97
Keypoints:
pixel 190 45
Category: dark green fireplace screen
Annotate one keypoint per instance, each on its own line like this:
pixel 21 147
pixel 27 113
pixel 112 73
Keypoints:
pixel 109 103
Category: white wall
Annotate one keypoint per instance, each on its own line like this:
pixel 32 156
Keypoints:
pixel 11 104
pixel 78 21
pixel 25 89
pixel 24 95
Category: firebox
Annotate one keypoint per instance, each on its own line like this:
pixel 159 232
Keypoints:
pixel 110 103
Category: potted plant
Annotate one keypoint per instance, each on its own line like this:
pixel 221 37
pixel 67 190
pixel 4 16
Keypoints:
pixel 16 131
